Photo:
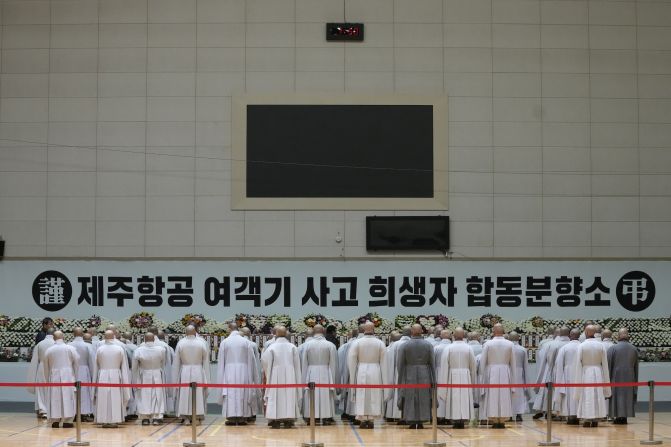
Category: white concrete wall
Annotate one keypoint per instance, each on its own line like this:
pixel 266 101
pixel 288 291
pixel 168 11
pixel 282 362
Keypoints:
pixel 115 121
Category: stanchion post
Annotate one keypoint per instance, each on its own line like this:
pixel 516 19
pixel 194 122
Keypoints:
pixel 548 439
pixel 434 419
pixel 78 417
pixel 651 417
pixel 311 395
pixel 194 418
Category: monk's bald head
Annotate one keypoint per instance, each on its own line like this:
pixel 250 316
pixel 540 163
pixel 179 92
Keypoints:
pixel 514 336
pixel 550 330
pixel 280 331
pixel 354 332
pixel 574 334
pixel 318 329
pixel 369 328
pixel 607 333
pixel 590 331
pixel 87 338
pixel 416 330
pixel 437 330
pixel 497 330
pixel 109 334
pixel 564 331
pixel 407 331
pixel 623 334
pixel 58 335
pixel 232 327
pixel 459 333
pixel 245 331
pixel 395 336
pixel 445 334
pixel 190 330
pixel 309 332
pixel 78 332
pixel 362 328
pixel 149 337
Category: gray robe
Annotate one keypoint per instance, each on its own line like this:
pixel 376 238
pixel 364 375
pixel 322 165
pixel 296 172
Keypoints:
pixel 415 365
pixel 623 366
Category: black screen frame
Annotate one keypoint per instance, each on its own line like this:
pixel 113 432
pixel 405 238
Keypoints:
pixel 370 220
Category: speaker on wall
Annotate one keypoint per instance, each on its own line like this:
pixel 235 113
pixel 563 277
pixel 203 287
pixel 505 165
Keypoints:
pixel 408 233
pixel 2 249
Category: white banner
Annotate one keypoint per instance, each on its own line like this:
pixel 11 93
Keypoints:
pixel 340 289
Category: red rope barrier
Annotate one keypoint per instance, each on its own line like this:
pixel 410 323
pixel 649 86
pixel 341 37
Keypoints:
pixel 326 385
pixel 36 384
pixel 252 385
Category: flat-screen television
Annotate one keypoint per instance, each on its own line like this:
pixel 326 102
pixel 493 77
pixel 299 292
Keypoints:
pixel 339 150
pixel 408 233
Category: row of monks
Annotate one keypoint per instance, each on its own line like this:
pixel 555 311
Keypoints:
pixel 445 357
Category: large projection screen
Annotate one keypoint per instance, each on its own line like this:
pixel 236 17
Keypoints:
pixel 341 152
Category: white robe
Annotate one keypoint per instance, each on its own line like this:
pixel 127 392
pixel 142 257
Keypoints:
pixel 439 351
pixel 476 347
pixel 36 373
pixel 391 394
pixel 591 366
pixel 457 366
pixel 319 365
pixel 237 364
pixel 148 364
pixel 497 366
pixel 345 403
pixel 87 358
pixel 520 402
pixel 546 370
pixel 111 367
pixel 564 397
pixel 192 364
pixel 608 342
pixel 170 393
pixel 365 361
pixel 282 365
pixel 61 364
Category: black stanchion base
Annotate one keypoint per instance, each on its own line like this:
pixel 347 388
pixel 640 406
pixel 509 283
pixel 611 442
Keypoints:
pixel 312 444
pixel 548 443
pixel 193 444
pixel 78 443
pixel 653 442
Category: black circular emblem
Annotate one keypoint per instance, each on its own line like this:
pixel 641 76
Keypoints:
pixel 635 291
pixel 52 290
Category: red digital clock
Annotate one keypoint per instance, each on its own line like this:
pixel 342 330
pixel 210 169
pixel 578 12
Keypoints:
pixel 344 32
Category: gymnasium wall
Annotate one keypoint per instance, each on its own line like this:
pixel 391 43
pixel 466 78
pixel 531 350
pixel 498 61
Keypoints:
pixel 115 121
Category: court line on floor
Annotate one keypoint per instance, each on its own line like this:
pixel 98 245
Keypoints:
pixel 356 433
pixel 66 440
pixel 208 426
pixel 541 432
pixel 23 431
pixel 165 435
pixel 448 434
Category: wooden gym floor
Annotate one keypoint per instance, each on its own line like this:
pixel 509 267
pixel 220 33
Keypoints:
pixel 24 430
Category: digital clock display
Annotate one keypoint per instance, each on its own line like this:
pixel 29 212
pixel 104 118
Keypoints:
pixel 344 31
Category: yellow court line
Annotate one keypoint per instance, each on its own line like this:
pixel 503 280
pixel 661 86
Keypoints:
pixel 218 427
pixel 516 432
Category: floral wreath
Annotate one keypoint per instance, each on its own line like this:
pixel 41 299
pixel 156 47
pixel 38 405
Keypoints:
pixel 489 320
pixel 141 320
pixel 197 320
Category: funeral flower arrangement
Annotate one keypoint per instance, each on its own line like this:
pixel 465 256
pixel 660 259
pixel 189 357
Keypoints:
pixel 5 321
pixel 310 320
pixel 140 320
pixel 651 335
pixel 404 320
pixel 197 319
